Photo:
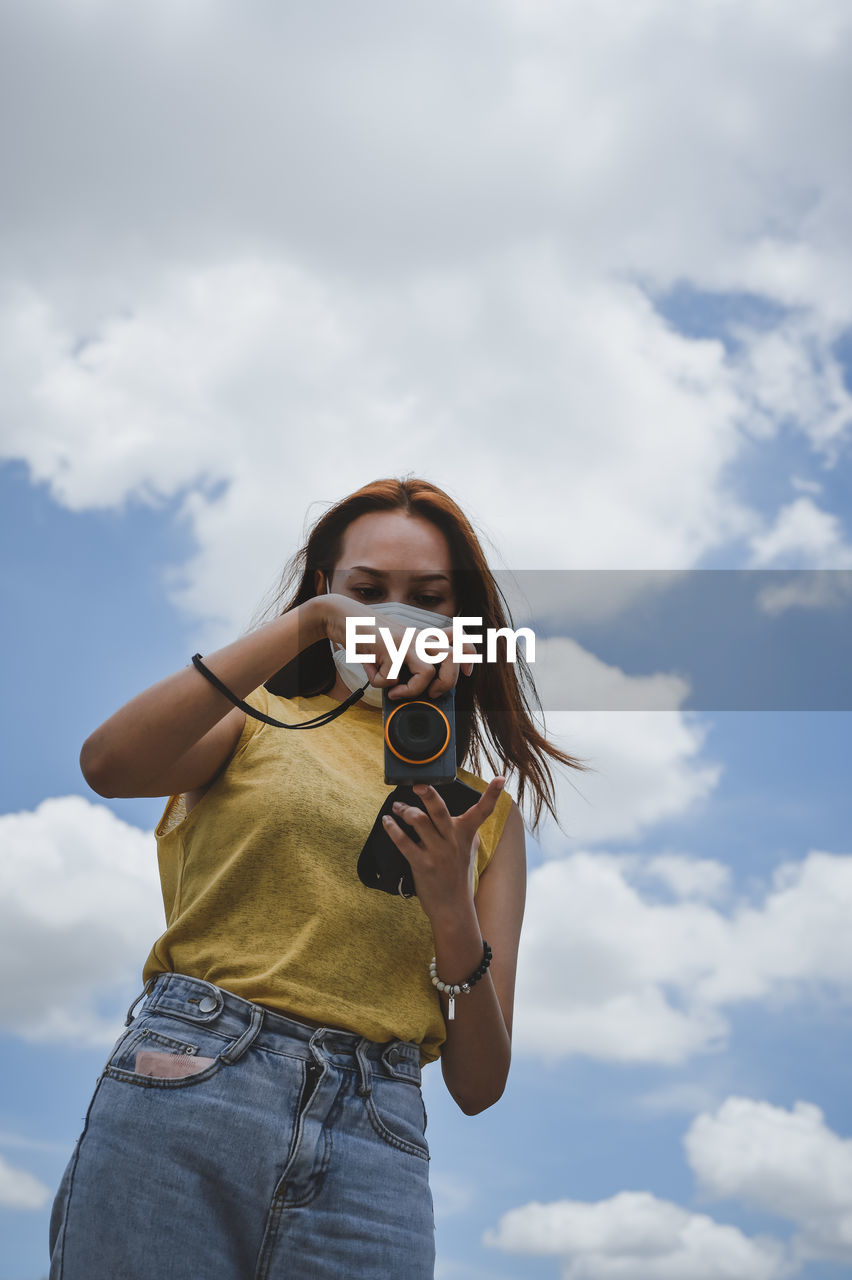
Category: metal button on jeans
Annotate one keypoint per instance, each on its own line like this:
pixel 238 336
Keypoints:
pixel 207 1004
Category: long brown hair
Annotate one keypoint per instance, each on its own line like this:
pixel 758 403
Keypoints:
pixel 493 716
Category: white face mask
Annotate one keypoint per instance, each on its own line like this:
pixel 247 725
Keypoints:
pixel 353 674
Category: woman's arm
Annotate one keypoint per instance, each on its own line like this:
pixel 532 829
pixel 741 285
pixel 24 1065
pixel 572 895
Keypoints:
pixel 176 735
pixel 476 1054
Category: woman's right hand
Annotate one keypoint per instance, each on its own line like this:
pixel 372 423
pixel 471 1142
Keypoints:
pixel 422 680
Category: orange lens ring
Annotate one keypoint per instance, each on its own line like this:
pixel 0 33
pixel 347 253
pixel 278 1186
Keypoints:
pixel 417 702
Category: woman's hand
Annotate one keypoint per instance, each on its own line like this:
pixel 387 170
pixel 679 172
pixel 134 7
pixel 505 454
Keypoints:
pixel 442 674
pixel 442 862
pixel 423 679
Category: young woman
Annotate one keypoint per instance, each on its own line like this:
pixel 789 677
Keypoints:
pixel 261 1116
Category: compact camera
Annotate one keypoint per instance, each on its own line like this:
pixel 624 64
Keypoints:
pixel 420 746
pixel 420 738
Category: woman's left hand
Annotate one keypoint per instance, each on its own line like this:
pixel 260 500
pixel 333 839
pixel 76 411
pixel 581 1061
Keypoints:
pixel 442 863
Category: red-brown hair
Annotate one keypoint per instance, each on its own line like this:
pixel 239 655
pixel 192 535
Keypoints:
pixel 493 716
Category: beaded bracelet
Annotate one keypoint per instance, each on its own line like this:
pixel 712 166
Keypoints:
pixel 460 988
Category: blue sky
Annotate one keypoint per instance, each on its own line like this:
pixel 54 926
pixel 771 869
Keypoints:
pixel 87 591
pixel 597 289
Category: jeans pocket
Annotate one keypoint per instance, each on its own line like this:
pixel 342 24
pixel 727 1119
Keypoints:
pixel 398 1116
pixel 163 1052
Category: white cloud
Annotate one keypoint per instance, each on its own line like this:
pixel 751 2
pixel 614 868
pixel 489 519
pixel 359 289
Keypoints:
pixel 569 676
pixel 817 589
pixel 444 268
pixel 19 1189
pixel 790 377
pixel 795 937
pixel 605 972
pixel 690 877
pixel 644 766
pixel 646 769
pixel 80 910
pixel 786 1162
pixel 563 599
pixel 803 532
pixel 711 145
pixel 595 965
pixel 702 134
pixel 231 374
pixel 803 485
pixel 636 1236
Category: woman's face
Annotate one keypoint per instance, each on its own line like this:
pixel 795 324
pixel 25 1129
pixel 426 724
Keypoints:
pixel 388 555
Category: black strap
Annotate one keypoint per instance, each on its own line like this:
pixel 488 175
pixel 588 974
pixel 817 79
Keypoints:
pixel 324 717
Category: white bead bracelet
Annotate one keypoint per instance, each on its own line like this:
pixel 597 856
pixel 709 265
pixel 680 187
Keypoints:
pixel 459 988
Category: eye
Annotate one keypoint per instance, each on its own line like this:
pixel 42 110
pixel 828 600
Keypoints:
pixel 366 593
pixel 430 602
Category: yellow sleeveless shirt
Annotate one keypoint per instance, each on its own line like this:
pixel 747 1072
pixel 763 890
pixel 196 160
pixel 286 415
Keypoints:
pixel 260 882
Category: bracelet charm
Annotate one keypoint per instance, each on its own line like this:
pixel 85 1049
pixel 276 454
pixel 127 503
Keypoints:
pixel 451 990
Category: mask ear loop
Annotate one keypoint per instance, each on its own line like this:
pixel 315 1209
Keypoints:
pixel 335 655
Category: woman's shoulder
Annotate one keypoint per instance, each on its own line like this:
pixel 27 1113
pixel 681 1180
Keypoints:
pixel 179 806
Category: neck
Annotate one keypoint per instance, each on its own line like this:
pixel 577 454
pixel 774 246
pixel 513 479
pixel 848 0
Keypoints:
pixel 340 693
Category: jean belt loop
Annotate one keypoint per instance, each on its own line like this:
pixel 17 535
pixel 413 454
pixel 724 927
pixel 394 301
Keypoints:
pixel 146 990
pixel 365 1088
pixel 238 1048
pixel 315 1045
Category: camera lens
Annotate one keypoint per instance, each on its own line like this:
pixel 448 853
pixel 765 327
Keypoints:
pixel 417 732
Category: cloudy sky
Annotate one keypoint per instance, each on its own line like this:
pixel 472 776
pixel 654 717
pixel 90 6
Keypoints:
pixel 588 268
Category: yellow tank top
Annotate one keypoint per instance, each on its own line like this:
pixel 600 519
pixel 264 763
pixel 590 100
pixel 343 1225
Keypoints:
pixel 260 882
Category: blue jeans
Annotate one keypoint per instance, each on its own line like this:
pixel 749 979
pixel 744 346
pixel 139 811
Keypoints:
pixel 226 1142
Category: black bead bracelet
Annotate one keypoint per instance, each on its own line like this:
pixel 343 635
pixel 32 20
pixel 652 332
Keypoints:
pixel 460 988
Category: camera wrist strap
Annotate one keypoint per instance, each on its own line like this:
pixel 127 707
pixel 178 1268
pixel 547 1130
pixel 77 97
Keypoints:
pixel 324 717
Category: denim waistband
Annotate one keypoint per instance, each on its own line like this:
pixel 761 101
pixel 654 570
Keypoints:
pixel 201 1002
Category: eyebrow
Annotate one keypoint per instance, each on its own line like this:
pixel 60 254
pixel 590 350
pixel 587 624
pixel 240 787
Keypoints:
pixel 381 573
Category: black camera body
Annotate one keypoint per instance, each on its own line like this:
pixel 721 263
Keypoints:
pixel 420 746
pixel 420 738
